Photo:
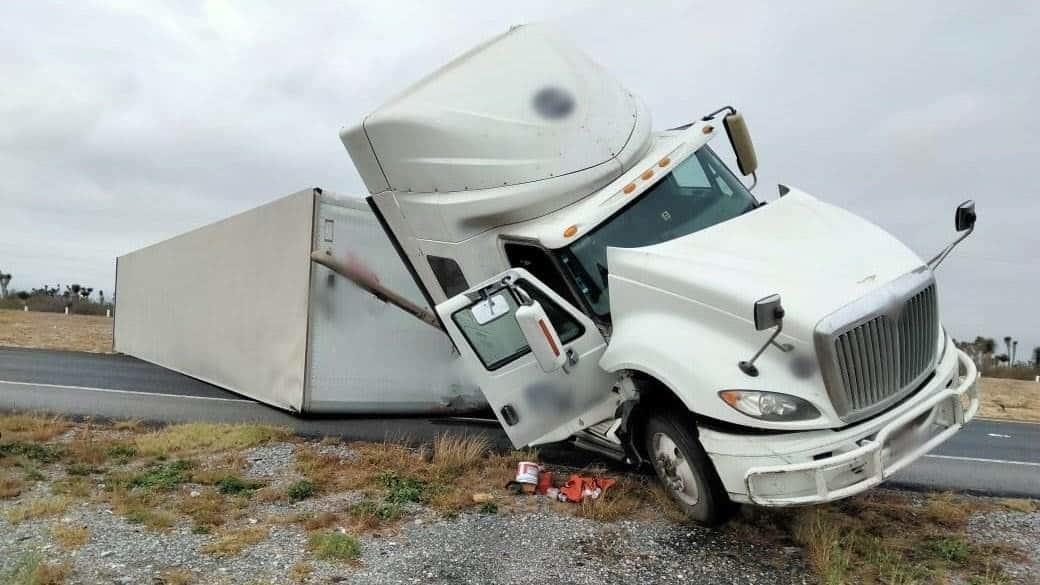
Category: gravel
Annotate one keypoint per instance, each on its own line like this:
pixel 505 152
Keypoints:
pixel 271 460
pixel 1018 529
pixel 547 547
pixel 536 545
pixel 530 541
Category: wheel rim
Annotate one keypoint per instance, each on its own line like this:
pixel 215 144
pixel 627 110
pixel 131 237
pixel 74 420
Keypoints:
pixel 675 469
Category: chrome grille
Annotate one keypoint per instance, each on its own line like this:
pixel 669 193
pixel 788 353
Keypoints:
pixel 885 352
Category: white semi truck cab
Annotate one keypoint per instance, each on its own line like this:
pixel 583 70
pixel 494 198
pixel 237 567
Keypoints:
pixel 622 287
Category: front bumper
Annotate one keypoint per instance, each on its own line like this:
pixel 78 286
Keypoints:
pixel 825 467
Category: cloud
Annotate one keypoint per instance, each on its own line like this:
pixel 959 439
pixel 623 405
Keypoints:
pixel 126 122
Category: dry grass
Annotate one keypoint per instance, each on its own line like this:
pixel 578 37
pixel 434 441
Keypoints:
pixel 232 542
pixel 31 569
pixel 853 541
pixel 444 477
pixel 142 507
pixel 11 487
pixel 87 450
pixel 56 331
pixel 70 536
pixel 1020 505
pixel 300 571
pixel 74 487
pixel 175 576
pixel 1010 399
pixel 31 427
pixel 209 509
pixel 207 438
pixel 456 454
pixel 38 508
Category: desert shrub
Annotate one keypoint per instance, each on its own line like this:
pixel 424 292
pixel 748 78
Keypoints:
pixel 334 546
pixel 300 490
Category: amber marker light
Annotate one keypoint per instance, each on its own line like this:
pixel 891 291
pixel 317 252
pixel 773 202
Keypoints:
pixel 664 162
pixel 629 188
pixel 647 174
pixel 708 129
pixel 570 231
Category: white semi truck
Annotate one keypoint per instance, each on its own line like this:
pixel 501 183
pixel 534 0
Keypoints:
pixel 622 287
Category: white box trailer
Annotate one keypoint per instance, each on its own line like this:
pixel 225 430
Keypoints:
pixel 240 304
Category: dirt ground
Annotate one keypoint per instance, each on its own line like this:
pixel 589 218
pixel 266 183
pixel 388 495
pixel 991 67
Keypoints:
pixel 55 331
pixel 1010 399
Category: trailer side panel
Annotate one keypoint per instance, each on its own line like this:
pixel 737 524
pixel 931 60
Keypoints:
pixel 226 303
pixel 367 356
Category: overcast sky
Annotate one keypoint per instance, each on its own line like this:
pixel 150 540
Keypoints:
pixel 125 122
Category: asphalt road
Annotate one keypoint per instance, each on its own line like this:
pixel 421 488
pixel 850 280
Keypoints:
pixel 986 457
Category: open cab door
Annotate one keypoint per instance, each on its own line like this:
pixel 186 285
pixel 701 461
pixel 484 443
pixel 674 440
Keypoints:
pixel 535 357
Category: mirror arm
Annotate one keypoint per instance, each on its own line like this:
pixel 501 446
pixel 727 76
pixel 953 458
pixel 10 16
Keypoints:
pixel 934 262
pixel 754 181
pixel 521 294
pixel 712 115
pixel 748 367
pixel 709 117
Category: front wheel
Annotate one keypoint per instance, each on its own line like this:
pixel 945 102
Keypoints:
pixel 684 469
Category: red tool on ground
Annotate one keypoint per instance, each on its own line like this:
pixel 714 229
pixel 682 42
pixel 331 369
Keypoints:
pixel 579 487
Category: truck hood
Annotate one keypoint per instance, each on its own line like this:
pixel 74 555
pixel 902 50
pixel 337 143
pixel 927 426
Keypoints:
pixel 818 257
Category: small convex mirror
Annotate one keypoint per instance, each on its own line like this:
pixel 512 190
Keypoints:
pixel 768 312
pixel 490 309
pixel 964 219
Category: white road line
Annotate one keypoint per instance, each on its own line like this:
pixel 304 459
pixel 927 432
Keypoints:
pixel 984 460
pixel 112 391
pixel 1006 420
pixel 998 435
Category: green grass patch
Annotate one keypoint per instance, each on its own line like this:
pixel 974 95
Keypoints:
pixel 949 548
pixel 32 473
pixel 159 476
pixel 334 546
pixel 300 490
pixel 489 508
pixel 82 470
pixel 402 490
pixel 236 486
pixel 384 511
pixel 121 454
pixel 39 452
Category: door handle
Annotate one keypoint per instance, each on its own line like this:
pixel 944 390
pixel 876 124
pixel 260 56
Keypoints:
pixel 572 360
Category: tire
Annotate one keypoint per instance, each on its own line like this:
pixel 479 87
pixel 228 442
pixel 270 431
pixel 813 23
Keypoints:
pixel 670 443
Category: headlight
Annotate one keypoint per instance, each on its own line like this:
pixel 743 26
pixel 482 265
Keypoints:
pixel 771 406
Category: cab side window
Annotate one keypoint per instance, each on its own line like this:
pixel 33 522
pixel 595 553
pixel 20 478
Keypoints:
pixel 540 265
pixel 491 329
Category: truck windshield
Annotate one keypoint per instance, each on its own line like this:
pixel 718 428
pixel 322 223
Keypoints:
pixel 700 192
